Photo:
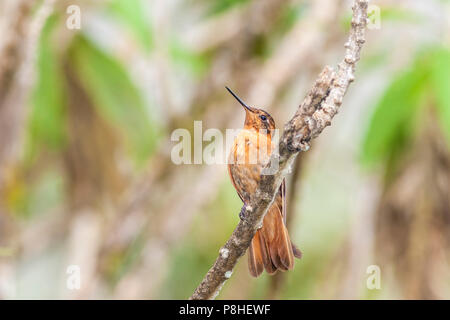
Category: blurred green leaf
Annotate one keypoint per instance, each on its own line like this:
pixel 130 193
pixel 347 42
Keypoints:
pixel 400 14
pixel 116 97
pixel 194 62
pixel 133 14
pixel 47 116
pixel 220 6
pixel 392 121
pixel 267 43
pixel 290 15
pixel 441 87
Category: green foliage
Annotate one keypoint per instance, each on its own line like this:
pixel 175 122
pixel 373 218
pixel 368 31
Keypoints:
pixel 441 87
pixel 116 97
pixel 393 116
pixel 48 112
pixel 269 42
pixel 133 14
pixel 289 16
pixel 220 6
pixel 196 63
pixel 400 15
pixel 393 123
pixel 392 120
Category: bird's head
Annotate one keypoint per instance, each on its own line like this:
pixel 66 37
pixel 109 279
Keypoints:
pixel 256 119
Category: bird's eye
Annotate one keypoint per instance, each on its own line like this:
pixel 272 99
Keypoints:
pixel 263 117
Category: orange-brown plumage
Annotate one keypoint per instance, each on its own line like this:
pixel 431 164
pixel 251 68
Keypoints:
pixel 271 248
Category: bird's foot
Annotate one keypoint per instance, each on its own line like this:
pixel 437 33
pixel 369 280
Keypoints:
pixel 242 214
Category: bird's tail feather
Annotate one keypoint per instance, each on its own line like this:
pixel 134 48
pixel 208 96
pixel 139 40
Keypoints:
pixel 271 247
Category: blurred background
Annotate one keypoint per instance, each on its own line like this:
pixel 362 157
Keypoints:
pixel 86 177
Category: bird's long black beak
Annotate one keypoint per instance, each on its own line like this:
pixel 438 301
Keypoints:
pixel 240 101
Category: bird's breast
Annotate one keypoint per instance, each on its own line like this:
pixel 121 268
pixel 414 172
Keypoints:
pixel 251 151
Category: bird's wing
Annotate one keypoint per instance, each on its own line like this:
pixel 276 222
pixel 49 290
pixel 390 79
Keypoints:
pixel 232 181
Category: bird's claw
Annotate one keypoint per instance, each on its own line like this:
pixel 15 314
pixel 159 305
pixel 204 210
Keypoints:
pixel 242 214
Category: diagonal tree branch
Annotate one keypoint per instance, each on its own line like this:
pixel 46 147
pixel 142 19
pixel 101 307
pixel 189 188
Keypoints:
pixel 314 114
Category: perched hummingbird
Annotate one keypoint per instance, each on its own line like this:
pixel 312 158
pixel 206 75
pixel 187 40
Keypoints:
pixel 271 247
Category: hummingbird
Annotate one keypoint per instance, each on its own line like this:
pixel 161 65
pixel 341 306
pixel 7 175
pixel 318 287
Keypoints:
pixel 271 248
